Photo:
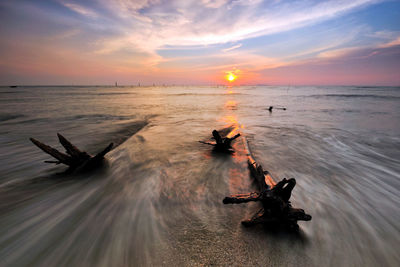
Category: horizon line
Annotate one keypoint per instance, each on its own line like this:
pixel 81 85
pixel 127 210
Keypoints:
pixel 202 85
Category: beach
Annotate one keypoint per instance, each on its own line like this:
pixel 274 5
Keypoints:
pixel 157 201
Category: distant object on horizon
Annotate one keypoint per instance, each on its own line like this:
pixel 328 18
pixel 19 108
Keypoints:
pixel 271 107
pixel 13 86
pixel 116 84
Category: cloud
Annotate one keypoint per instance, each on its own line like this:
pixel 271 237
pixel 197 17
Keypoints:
pixel 394 42
pixel 172 23
pixel 133 35
pixel 65 34
pixel 150 25
pixel 231 48
pixel 80 9
pixel 353 66
pixel 214 3
pixel 336 53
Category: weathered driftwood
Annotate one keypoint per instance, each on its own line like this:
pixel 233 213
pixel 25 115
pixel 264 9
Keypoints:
pixel 276 207
pixel 271 107
pixel 75 159
pixel 222 144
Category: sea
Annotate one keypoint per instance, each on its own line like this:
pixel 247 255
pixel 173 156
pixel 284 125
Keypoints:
pixel 157 199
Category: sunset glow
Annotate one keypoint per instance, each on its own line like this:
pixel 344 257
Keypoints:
pixel 168 42
pixel 230 77
pixel 199 133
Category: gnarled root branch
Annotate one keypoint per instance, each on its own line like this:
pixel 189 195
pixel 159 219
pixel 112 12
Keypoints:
pixel 75 159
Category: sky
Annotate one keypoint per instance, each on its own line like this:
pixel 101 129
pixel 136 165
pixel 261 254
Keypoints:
pixel 200 42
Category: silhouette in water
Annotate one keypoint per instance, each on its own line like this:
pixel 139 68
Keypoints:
pixel 223 144
pixel 274 197
pixel 276 207
pixel 271 107
pixel 76 160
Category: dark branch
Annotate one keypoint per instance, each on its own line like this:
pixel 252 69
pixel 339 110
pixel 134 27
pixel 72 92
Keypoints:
pixel 65 159
pixel 241 198
pixel 76 160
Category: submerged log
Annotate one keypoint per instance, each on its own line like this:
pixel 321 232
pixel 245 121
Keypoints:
pixel 75 159
pixel 222 144
pixel 274 197
pixel 272 107
pixel 276 205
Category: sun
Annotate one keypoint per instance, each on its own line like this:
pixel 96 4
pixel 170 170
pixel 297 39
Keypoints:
pixel 231 77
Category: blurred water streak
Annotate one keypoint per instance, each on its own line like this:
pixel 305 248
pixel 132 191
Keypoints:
pixel 158 200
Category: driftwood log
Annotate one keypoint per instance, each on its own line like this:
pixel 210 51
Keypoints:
pixel 222 144
pixel 274 197
pixel 75 159
pixel 271 107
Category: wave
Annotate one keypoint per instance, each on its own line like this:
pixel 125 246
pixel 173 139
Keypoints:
pixel 68 93
pixel 82 117
pixel 99 117
pixel 12 92
pixel 366 87
pixel 131 93
pixel 355 96
pixel 200 94
pixel 124 132
pixel 7 117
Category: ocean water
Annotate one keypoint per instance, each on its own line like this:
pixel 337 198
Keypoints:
pixel 157 201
